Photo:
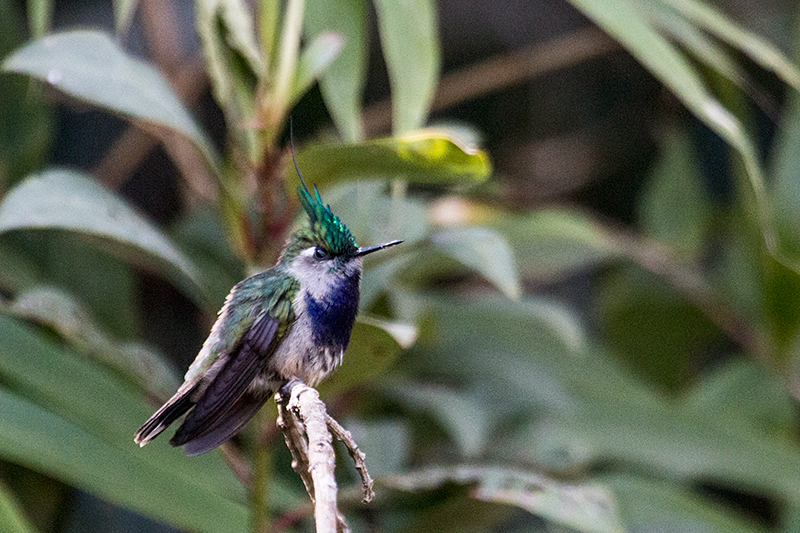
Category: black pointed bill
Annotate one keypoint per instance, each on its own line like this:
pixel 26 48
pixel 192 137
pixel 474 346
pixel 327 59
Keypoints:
pixel 368 250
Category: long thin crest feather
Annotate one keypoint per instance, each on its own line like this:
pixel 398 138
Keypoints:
pixel 323 222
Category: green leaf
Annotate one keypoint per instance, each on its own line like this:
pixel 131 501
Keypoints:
pixel 554 243
pixel 703 46
pixel 60 311
pixel 234 64
pixel 465 419
pixel 386 444
pixel 674 210
pixel 645 504
pixel 62 403
pixel 484 250
pixel 585 507
pixel 745 393
pixel 25 115
pixel 410 43
pixel 625 22
pixel 12 518
pixel 760 51
pixel 124 10
pixel 90 66
pixel 314 60
pixel 426 156
pixel 584 410
pixel 371 351
pixel 67 200
pixel 342 84
pixel 40 17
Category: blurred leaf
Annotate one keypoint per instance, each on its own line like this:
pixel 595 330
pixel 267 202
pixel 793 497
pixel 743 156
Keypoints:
pixel 90 66
pixel 370 353
pixel 313 61
pixel 484 250
pixel 744 392
pixel 424 156
pixel 201 234
pixel 759 50
pixel 696 41
pixel 625 23
pixel 12 518
pixel 652 328
pixel 67 200
pixel 386 444
pixel 124 10
pixel 587 409
pixel 588 508
pixel 40 17
pixel 647 506
pixel 25 116
pixel 556 242
pixel 60 311
pixel 342 84
pixel 674 210
pixel 62 403
pixel 234 63
pixel 465 419
pixel 785 165
pixel 404 334
pixel 410 43
pixel 17 272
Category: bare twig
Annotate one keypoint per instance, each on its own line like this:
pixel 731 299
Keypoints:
pixel 358 457
pixel 301 411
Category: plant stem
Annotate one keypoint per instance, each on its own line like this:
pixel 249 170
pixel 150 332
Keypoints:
pixel 278 97
pixel 260 516
pixel 268 13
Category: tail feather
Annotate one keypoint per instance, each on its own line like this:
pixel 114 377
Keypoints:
pixel 224 427
pixel 169 412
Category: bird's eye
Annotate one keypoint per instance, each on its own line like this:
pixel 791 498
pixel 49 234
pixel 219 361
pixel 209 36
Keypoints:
pixel 321 253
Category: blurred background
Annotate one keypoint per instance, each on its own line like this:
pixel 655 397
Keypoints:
pixel 597 334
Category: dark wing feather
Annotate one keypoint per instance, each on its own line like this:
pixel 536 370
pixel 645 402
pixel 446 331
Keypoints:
pixel 227 425
pixel 242 367
pixel 166 415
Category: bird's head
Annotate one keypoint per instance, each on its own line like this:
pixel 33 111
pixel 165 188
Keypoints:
pixel 324 247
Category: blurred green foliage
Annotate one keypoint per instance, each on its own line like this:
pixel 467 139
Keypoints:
pixel 461 383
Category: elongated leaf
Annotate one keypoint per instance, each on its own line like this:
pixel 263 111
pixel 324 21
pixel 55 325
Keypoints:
pixel 426 156
pixel 60 311
pixel 234 63
pixel 386 443
pixel 588 508
pixel 643 503
pixel 674 210
pixel 314 60
pixel 40 17
pixel 124 10
pixel 484 250
pixel 90 66
pixel 758 49
pixel 12 518
pixel 40 440
pixel 67 200
pixel 342 84
pixel 466 420
pixel 624 22
pixel 556 242
pixel 370 353
pixel 62 403
pixel 410 43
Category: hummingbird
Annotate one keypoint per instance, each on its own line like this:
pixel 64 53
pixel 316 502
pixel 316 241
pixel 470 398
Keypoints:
pixel 291 321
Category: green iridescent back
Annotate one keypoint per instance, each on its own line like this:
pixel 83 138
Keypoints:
pixel 325 229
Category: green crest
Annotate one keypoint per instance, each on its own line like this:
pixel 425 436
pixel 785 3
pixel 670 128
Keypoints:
pixel 325 225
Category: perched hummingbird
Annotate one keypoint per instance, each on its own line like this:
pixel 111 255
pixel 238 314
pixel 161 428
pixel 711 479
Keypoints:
pixel 293 320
